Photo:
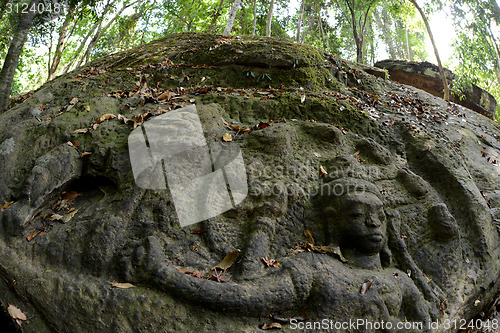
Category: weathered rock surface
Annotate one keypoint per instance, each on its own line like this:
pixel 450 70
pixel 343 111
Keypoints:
pixel 429 169
pixel 426 76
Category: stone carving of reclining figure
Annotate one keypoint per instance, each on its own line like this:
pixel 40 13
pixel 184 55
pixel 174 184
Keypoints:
pixel 320 284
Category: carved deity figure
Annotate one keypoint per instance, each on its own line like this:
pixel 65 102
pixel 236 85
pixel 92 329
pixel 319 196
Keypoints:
pixel 363 287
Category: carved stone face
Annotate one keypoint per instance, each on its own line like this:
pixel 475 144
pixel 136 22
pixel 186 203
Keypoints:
pixel 361 223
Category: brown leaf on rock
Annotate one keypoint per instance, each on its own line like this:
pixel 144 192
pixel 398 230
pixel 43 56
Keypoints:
pixel 356 156
pixel 308 247
pixel 55 217
pixel 81 131
pixel 74 100
pixel 198 231
pixel 189 272
pixel 105 117
pixel 335 250
pixel 86 153
pixel 228 260
pixel 238 51
pixel 442 307
pixel 322 171
pixel 365 287
pixel 70 196
pixel 121 285
pixel 166 95
pixel 33 234
pixel 6 205
pixel 271 326
pixel 16 313
pixel 270 262
pixel 309 236
pixel 227 137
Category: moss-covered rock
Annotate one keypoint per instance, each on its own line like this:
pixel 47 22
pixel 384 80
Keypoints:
pixel 301 118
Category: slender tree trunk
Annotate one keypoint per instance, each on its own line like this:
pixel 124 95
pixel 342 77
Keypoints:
pixel 84 42
pixel 441 70
pixel 358 39
pixel 269 19
pixel 322 32
pixel 389 41
pixel 232 16
pixel 80 48
pixel 12 58
pixel 310 24
pixel 407 40
pixel 254 17
pixel 299 23
pixel 216 16
pixel 101 31
pixel 60 44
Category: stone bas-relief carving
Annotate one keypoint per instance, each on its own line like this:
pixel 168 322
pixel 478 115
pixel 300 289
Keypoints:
pixel 318 283
pixel 434 175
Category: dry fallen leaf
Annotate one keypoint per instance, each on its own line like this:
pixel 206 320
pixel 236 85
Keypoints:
pixel 228 260
pixel 365 287
pixel 317 155
pixel 105 117
pixel 33 234
pixel 198 231
pixel 335 250
pixel 86 153
pixel 74 100
pixel 81 131
pixel 70 196
pixel 15 313
pixel 69 216
pixel 309 236
pixel 166 95
pixel 192 273
pixel 238 51
pixel 55 217
pixel 121 285
pixel 271 326
pixel 6 205
pixel 270 262
pixel 227 137
pixel 322 171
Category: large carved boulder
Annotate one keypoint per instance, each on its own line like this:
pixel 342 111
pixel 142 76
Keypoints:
pixel 365 200
pixel 426 76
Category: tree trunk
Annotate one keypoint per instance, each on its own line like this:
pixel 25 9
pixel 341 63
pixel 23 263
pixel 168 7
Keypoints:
pixel 101 31
pixel 60 44
pixel 82 44
pixel 299 23
pixel 269 19
pixel 310 24
pixel 12 58
pixel 232 16
pixel 383 25
pixel 322 32
pixel 408 54
pixel 358 39
pixel 441 70
pixel 80 48
pixel 216 16
pixel 254 17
